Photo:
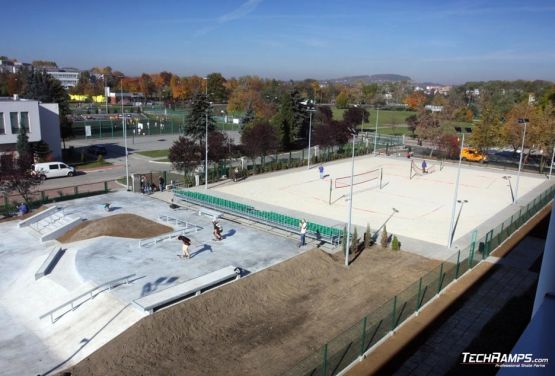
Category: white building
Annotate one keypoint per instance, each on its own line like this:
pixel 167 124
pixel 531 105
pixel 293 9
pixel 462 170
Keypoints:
pixel 69 77
pixel 40 119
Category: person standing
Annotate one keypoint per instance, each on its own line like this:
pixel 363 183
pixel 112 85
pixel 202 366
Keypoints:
pixel 321 170
pixel 303 225
pixel 217 230
pixel 185 246
pixel 424 167
pixel 162 182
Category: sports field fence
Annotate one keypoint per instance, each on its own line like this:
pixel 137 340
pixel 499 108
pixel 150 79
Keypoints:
pixel 342 349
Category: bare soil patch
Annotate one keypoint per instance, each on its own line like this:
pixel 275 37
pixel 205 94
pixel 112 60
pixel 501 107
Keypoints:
pixel 262 324
pixel 121 225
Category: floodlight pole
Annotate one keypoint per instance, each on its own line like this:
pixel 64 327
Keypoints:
pixel 309 136
pixel 520 161
pixel 350 204
pixel 454 208
pixel 206 140
pixel 552 160
pixel 124 139
pixel 376 132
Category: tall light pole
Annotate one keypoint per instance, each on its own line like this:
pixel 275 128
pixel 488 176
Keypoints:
pixel 376 132
pixel 310 110
pixel 508 178
pixel 350 201
pixel 462 202
pixel 452 223
pixel 525 122
pixel 552 160
pixel 124 138
pixel 206 139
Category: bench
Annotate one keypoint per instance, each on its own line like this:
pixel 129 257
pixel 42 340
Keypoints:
pixel 193 287
pixel 209 212
pixel 50 262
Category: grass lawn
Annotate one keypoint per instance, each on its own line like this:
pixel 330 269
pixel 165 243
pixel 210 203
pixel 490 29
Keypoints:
pixel 154 153
pixel 94 164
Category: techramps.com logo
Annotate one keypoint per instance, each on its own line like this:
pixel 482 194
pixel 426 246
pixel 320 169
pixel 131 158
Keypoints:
pixel 505 360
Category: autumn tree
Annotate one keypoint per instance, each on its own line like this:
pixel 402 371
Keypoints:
pixel 416 100
pixel 487 132
pixel 342 100
pixel 259 139
pixel 185 154
pixel 354 116
pixel 217 146
pixel 16 176
pixel 216 87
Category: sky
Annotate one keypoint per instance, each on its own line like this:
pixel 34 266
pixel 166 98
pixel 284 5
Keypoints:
pixel 430 41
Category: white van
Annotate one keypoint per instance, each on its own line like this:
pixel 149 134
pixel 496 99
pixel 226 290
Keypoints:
pixel 53 170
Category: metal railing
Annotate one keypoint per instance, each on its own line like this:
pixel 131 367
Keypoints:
pixel 90 293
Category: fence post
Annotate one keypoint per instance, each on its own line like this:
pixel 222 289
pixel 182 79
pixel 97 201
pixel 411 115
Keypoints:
pixel 325 360
pixel 458 264
pixel 43 197
pixel 106 187
pixel 75 190
pixel 394 313
pixel 363 335
pixel 440 280
pixel 419 295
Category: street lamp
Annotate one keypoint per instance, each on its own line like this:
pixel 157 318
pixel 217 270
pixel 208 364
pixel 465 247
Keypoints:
pixel 376 132
pixel 552 160
pixel 124 139
pixel 453 209
pixel 508 178
pixel 206 139
pixel 525 122
pixel 310 111
pixel 462 202
pixel 354 133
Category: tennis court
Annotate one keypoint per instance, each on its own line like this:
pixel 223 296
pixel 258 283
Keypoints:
pixel 422 201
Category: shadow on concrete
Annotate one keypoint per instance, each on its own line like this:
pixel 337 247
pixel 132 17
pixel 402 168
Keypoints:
pixel 85 341
pixel 205 247
pixel 229 233
pixel 149 287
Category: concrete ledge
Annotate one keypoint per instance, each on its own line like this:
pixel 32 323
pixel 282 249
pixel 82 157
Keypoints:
pixel 61 230
pixel 50 262
pixel 194 287
pixel 392 345
pixel 37 217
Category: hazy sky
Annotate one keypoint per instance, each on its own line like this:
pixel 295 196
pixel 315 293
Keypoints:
pixel 441 41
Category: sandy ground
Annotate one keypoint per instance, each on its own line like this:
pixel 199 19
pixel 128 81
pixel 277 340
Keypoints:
pixel 262 324
pixel 121 225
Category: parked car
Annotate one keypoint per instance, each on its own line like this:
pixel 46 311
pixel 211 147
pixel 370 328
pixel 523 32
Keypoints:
pixel 471 154
pixel 97 150
pixel 52 170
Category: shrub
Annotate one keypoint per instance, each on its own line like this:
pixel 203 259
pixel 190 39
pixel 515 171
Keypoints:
pixel 100 158
pixel 367 236
pixel 395 244
pixel 383 240
pixel 354 242
pixel 344 240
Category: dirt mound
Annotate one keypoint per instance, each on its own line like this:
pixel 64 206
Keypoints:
pixel 262 324
pixel 121 225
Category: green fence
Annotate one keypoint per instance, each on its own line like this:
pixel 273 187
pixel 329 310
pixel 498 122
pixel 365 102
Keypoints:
pixel 37 198
pixel 343 349
pixel 330 234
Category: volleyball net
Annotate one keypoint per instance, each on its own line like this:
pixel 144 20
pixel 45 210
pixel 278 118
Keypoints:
pixel 365 177
pixel 417 168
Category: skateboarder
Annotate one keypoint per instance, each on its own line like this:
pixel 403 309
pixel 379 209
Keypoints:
pixel 217 230
pixel 185 246
pixel 303 225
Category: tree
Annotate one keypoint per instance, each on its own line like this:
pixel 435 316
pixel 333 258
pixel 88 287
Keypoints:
pixel 412 122
pixel 395 244
pixel 259 139
pixel 487 132
pixel 249 116
pixel 384 240
pixel 195 123
pixel 416 100
pixel 217 146
pixel 44 88
pixel 342 100
pixel 15 176
pixel 290 118
pixel 185 154
pixel 23 148
pixel 216 87
pixel 354 116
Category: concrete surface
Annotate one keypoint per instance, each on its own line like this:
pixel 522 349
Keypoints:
pixel 32 346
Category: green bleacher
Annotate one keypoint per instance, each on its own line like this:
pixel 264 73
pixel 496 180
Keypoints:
pixel 327 233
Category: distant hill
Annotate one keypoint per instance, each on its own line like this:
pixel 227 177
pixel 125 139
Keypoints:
pixel 375 78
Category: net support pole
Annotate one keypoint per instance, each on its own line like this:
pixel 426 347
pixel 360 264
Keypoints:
pixel 381 177
pixel 331 187
pixel 410 173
